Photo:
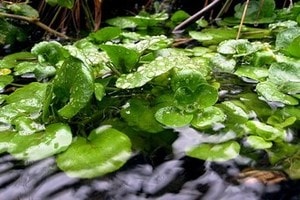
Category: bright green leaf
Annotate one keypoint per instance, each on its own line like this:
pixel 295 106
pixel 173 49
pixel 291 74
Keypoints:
pixel 257 142
pixel 63 3
pixel 105 34
pixel 215 152
pixel 104 151
pixel 173 117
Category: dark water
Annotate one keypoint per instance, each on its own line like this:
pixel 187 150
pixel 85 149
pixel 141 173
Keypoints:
pixel 179 178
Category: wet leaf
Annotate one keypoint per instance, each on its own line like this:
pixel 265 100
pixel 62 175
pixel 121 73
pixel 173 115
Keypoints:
pixel 212 36
pixel 124 59
pixel 235 113
pixel 104 151
pixel 223 63
pixel 208 117
pixel 271 93
pixel 12 60
pixel 239 47
pixel 147 72
pixel 173 117
pixel 122 22
pixel 5 80
pixel 23 9
pixel 55 139
pixel 255 73
pixel 105 34
pixel 73 86
pixel 284 38
pixel 267 132
pixel 99 91
pixel 49 52
pixel 138 114
pixel 187 78
pixel 257 142
pixel 215 152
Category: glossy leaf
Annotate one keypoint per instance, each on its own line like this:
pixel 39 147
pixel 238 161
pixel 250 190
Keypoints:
pixel 284 38
pixel 63 3
pixel 223 63
pixel 23 9
pixel 99 91
pixel 215 152
pixel 255 73
pixel 173 117
pixel 235 113
pixel 104 151
pixel 258 142
pixel 12 60
pixel 123 59
pixel 267 132
pixel 73 87
pixel 5 80
pixel 271 93
pixel 55 139
pixel 187 78
pixel 140 115
pixel 239 47
pixel 147 72
pixel 213 36
pixel 105 34
pixel 208 117
pixel 49 52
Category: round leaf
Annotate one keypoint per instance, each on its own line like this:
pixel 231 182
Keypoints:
pixel 215 152
pixel 104 151
pixel 55 139
pixel 257 142
pixel 173 117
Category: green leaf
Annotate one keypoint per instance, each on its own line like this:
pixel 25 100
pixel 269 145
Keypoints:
pixel 255 73
pixel 104 151
pixel 187 77
pixel 122 22
pixel 173 117
pixel 138 114
pixel 23 9
pixel 267 132
pixel 208 117
pixel 213 36
pixel 5 80
pixel 55 139
pixel 284 38
pixel 73 86
pixel 271 93
pixel 10 34
pixel 235 113
pixel 105 34
pixel 179 16
pixel 63 3
pixel 147 72
pixel 99 91
pixel 12 60
pixel 123 59
pixel 258 142
pixel 293 48
pixel 223 63
pixel 207 95
pixel 49 52
pixel 215 152
pixel 239 47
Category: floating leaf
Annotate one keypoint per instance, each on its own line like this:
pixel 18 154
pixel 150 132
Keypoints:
pixel 215 152
pixel 12 60
pixel 284 38
pixel 255 73
pixel 239 47
pixel 267 132
pixel 213 36
pixel 122 22
pixel 257 142
pixel 271 93
pixel 208 117
pixel 173 117
pixel 73 86
pixel 223 63
pixel 55 139
pixel 104 151
pixel 234 112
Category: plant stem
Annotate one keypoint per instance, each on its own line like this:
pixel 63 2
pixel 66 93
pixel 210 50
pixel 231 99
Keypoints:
pixel 194 17
pixel 242 20
pixel 36 22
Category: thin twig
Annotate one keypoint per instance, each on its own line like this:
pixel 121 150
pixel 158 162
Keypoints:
pixel 194 17
pixel 242 20
pixel 36 22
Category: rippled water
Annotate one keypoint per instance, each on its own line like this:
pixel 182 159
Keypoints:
pixel 174 179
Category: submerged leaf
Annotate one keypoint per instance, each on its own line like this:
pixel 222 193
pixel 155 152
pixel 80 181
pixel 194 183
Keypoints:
pixel 104 151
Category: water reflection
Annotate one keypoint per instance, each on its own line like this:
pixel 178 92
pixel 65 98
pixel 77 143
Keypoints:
pixel 180 178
